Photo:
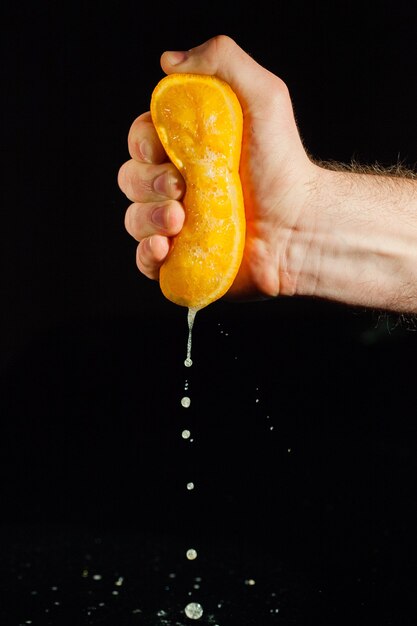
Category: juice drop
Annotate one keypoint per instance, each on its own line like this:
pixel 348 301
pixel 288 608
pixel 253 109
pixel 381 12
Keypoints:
pixel 191 554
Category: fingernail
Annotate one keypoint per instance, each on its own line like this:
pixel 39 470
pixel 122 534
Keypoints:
pixel 167 185
pixel 176 57
pixel 158 217
pixel 146 151
pixel 161 184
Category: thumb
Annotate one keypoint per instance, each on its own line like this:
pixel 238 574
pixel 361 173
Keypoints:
pixel 221 56
pixel 263 96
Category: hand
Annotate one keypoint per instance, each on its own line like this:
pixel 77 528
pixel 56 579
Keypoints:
pixel 275 172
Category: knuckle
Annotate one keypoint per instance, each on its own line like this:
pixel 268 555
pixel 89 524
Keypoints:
pixel 144 260
pixel 143 142
pixel 128 221
pixel 223 42
pixel 137 183
pixel 121 177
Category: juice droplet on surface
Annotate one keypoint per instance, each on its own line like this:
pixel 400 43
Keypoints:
pixel 185 402
pixel 193 610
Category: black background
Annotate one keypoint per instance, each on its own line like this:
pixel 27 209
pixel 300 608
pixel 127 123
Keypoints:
pixel 303 413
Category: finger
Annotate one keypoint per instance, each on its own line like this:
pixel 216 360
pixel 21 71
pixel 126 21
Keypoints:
pixel 143 141
pixel 143 182
pixel 150 254
pixel 161 218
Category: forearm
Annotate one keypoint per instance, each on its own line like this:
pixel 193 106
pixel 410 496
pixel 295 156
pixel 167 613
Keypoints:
pixel 357 242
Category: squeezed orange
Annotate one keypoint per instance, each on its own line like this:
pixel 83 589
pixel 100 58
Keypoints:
pixel 199 121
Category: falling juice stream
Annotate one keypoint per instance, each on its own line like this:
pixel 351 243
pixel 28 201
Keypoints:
pixel 190 318
pixel 193 610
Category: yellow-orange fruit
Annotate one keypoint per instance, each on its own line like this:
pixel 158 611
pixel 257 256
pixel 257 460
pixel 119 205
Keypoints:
pixel 199 121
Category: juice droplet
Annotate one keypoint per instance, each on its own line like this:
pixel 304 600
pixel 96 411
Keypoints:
pixel 193 610
pixel 190 486
pixel 185 402
pixel 190 319
pixel 191 554
pixel 185 434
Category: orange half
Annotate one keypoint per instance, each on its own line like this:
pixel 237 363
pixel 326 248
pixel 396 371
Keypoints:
pixel 199 121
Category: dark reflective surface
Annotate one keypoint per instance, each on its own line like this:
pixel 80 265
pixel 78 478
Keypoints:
pixel 302 453
pixel 67 575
